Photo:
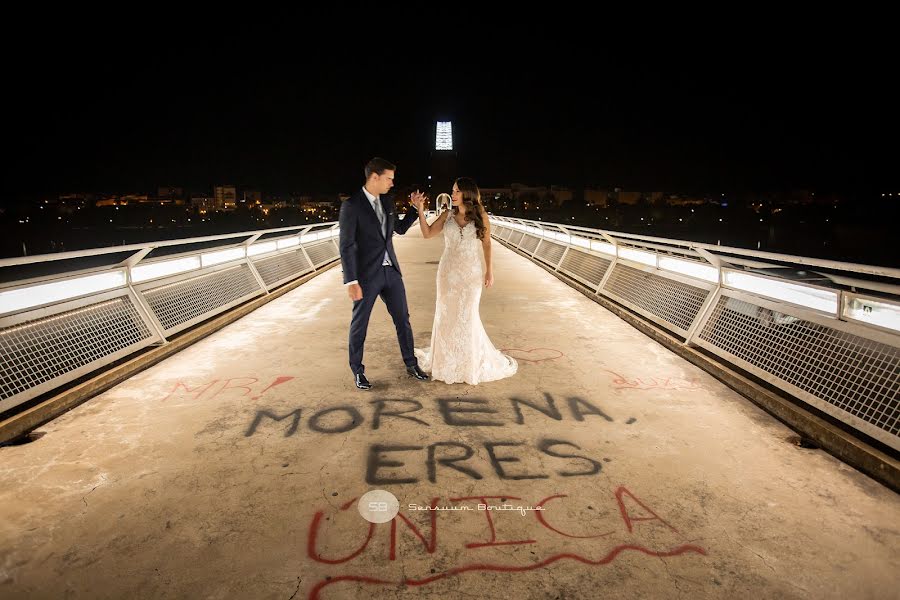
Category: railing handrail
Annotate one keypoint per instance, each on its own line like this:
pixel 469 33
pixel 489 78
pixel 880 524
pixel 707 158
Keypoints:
pixel 720 251
pixel 37 258
pixel 800 260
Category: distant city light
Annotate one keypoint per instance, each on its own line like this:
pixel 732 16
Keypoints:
pixel 444 138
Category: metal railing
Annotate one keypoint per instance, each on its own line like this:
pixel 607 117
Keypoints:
pixel 830 337
pixel 58 326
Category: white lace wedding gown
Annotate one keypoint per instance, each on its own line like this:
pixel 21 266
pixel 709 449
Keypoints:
pixel 460 350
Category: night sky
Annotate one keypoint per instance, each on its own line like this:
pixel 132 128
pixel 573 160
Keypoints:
pixel 278 109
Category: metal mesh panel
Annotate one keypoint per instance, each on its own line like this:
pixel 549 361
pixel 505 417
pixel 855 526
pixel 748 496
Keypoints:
pixel 855 374
pixel 43 349
pixel 183 301
pixel 675 302
pixel 515 237
pixel 506 233
pixel 275 268
pixel 550 252
pixel 322 252
pixel 586 266
pixel 529 243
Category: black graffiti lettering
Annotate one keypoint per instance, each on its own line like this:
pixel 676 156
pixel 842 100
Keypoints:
pixel 353 423
pixel 376 462
pixel 448 462
pixel 264 413
pixel 545 445
pixel 495 461
pixel 380 410
pixel 550 410
pixel 589 410
pixel 448 412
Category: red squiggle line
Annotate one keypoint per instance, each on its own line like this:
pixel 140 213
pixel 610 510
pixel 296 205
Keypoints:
pixel 314 593
pixel 534 360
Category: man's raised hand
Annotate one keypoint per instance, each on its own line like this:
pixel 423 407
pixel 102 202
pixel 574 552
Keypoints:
pixel 419 200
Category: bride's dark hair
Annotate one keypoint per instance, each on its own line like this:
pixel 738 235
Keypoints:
pixel 472 199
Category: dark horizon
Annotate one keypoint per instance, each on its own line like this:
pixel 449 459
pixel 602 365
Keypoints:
pixel 284 119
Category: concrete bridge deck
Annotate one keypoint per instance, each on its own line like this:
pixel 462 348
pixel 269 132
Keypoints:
pixel 233 470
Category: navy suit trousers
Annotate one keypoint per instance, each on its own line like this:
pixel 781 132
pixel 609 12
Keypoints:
pixel 387 284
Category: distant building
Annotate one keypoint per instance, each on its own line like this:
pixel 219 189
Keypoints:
pixel 170 192
pixel 623 197
pixel 108 201
pixel 204 204
pixel 561 195
pixel 593 197
pixel 495 192
pixel 69 203
pixel 77 199
pixel 654 197
pixel 680 200
pixel 444 169
pixel 226 197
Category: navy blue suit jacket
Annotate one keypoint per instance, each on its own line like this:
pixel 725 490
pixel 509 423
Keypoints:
pixel 362 242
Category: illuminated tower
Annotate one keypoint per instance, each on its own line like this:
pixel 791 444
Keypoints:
pixel 443 160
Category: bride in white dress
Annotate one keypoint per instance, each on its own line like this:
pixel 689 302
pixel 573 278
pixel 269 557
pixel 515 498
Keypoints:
pixel 460 350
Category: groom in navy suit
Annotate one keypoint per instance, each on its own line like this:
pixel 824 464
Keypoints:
pixel 370 266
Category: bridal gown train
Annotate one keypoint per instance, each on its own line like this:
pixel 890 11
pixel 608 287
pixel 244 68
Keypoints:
pixel 460 350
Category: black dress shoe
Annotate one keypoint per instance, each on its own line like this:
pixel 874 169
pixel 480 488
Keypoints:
pixel 361 382
pixel 418 373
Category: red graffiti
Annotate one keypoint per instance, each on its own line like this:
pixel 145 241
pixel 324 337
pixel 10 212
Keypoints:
pixel 631 510
pixel 278 381
pixel 493 541
pixel 227 386
pixel 540 517
pixel 611 556
pixel 655 383
pixel 535 355
pixel 202 389
pixel 311 546
pixel 430 546
pixel 620 493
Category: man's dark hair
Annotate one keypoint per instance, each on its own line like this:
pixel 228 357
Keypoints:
pixel 379 166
